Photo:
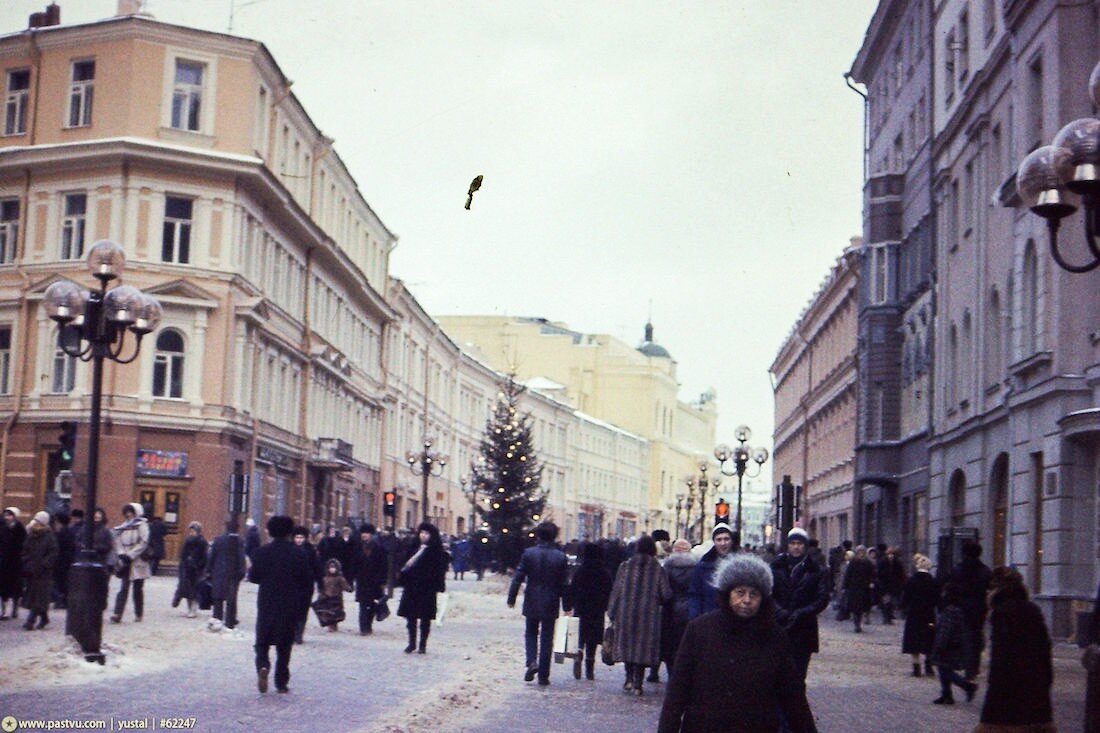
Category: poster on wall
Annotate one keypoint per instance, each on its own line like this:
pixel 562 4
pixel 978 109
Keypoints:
pixel 172 464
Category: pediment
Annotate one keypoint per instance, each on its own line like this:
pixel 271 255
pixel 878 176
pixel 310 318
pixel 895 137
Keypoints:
pixel 181 289
pixel 256 307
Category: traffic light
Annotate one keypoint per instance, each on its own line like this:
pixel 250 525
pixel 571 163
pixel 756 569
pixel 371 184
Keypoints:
pixel 389 506
pixel 67 452
pixel 721 512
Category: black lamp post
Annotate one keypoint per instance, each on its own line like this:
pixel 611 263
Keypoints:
pixel 740 457
pixel 679 508
pixel 93 328
pixel 698 488
pixel 426 463
pixel 1054 179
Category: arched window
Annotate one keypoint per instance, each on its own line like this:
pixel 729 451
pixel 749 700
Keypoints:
pixel 1029 302
pixel 956 498
pixel 952 386
pixel 63 377
pixel 966 358
pixel 993 350
pixel 168 365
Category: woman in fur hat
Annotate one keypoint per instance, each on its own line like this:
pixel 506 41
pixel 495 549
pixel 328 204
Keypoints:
pixel 39 558
pixel 1020 667
pixel 422 576
pixel 734 670
pixel 192 565
pixel 131 539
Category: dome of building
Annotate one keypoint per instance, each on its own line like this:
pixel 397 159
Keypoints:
pixel 650 348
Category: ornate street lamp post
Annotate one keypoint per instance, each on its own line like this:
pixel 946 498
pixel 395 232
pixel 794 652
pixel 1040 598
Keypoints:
pixel 679 507
pixel 93 328
pixel 426 463
pixel 699 488
pixel 740 457
pixel 1054 179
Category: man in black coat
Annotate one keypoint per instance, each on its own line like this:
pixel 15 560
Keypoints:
pixel 369 573
pixel 286 583
pixel 546 570
pixel 226 566
pixel 973 576
pixel 801 592
pixel 891 579
pixel 157 532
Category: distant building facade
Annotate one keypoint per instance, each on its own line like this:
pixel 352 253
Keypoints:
pixel 815 378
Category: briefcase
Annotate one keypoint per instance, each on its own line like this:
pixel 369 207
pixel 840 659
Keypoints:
pixel 567 637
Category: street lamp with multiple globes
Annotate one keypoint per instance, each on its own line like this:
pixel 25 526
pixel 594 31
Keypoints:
pixel 92 327
pixel 740 457
pixel 699 488
pixel 426 463
pixel 1054 179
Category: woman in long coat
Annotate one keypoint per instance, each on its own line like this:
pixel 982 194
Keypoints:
pixel 192 565
pixel 919 599
pixel 1020 667
pixel 640 589
pixel 131 539
pixel 588 594
pixel 12 536
pixel 857 586
pixel 676 614
pixel 40 553
pixel 423 576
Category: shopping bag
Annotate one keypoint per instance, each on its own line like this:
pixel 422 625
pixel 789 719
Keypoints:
pixel 607 653
pixel 444 602
pixel 566 636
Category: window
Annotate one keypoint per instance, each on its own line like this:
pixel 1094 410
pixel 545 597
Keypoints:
pixel 9 230
pixel 80 94
pixel 880 274
pixel 989 19
pixel 962 57
pixel 1030 322
pixel 64 373
pixel 168 365
pixel 15 108
pixel 176 235
pixel 5 359
pixel 949 67
pixel 1033 132
pixel 187 96
pixel 72 226
pixel 993 348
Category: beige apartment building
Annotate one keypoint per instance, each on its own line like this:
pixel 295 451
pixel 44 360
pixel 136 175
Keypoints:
pixel 189 149
pixel 815 377
pixel 601 376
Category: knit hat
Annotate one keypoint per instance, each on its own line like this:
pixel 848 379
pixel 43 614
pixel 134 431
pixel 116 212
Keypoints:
pixel 743 569
pixel 721 527
pixel 14 511
pixel 798 534
pixel 42 518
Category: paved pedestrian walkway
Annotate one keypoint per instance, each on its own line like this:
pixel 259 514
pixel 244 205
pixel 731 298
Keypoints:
pixel 170 666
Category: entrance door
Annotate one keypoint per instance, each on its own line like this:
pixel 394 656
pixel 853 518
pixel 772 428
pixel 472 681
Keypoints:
pixel 166 504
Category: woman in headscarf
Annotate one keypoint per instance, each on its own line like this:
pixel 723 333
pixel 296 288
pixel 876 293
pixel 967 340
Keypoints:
pixel 40 553
pixel 192 565
pixel 131 540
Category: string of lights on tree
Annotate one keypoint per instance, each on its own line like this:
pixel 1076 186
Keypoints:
pixel 509 474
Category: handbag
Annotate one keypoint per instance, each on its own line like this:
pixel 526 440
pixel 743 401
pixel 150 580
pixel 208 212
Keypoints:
pixel 204 592
pixel 607 654
pixel 382 610
pixel 122 566
pixel 441 608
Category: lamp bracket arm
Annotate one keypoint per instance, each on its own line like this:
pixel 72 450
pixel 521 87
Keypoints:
pixel 1052 228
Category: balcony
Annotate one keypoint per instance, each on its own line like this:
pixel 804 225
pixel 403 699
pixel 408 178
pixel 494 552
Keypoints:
pixel 331 454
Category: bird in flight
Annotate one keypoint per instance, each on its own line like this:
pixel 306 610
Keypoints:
pixel 474 185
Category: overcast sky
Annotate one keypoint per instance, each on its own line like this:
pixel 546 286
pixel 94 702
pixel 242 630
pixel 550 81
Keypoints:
pixel 697 160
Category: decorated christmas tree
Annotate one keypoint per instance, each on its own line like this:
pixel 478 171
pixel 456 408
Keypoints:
pixel 509 474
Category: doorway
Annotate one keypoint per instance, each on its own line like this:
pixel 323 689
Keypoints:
pixel 166 504
pixel 998 484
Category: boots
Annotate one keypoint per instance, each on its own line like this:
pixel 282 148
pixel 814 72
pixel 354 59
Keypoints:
pixel 423 648
pixel 916 670
pixel 577 667
pixel 412 641
pixel 639 677
pixel 590 668
pixel 928 671
pixel 44 618
pixel 653 675
pixel 628 686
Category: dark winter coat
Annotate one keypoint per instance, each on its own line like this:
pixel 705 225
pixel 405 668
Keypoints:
pixel 890 574
pixel 1020 669
pixel 157 531
pixel 857 584
pixel 800 592
pixel 678 568
pixel 225 566
pixel 954 641
pixel 702 597
pixel 38 561
pixel 103 542
pixel 641 589
pixel 973 576
pixel 734 675
pixel 371 567
pixel 286 583
pixel 587 594
pixel 1092 690
pixel 460 556
pixel 252 541
pixel 192 566
pixel 422 581
pixel 919 599
pixel 546 570
pixel 66 555
pixel 11 558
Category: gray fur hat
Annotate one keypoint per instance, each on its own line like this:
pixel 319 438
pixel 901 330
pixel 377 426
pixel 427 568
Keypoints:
pixel 743 568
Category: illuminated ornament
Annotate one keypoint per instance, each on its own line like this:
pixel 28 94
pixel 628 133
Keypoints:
pixel 504 530
pixel 523 458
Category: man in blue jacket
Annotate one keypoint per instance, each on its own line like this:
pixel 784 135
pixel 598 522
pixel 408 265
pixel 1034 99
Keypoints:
pixel 701 594
pixel 546 570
